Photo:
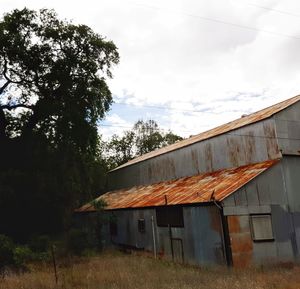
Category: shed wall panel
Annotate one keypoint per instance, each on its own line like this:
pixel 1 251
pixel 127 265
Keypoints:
pixel 199 242
pixel 266 189
pixel 254 143
pixel 127 224
pixel 288 129
pixel 204 231
pixel 267 194
pixel 291 168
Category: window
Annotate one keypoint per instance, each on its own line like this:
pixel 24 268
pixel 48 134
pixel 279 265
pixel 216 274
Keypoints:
pixel 261 227
pixel 172 216
pixel 141 226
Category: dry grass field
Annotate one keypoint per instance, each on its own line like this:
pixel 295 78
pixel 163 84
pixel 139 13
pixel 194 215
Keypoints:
pixel 116 270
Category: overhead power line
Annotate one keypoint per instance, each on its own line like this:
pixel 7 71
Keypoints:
pixel 274 10
pixel 130 127
pixel 219 21
pixel 186 111
pixel 162 107
pixel 115 125
pixel 225 133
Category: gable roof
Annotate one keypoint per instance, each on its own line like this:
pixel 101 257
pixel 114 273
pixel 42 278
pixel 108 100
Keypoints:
pixel 189 190
pixel 240 122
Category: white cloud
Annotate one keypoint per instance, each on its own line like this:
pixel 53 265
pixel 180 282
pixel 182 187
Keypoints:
pixel 190 55
pixel 114 125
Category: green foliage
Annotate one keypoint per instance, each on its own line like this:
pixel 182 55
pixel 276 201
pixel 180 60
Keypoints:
pixel 53 92
pixel 99 204
pixel 22 254
pixel 120 150
pixel 144 137
pixel 54 67
pixel 6 252
pixel 77 241
pixel 171 138
pixel 40 243
pixel 16 257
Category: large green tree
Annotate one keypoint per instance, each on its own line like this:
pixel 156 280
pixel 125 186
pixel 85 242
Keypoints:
pixel 144 137
pixel 53 92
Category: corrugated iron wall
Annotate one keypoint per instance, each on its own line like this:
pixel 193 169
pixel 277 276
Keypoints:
pixel 275 192
pixel 199 242
pixel 291 169
pixel 288 129
pixel 250 144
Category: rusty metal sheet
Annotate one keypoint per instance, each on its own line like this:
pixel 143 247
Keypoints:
pixel 240 240
pixel 238 123
pixel 189 190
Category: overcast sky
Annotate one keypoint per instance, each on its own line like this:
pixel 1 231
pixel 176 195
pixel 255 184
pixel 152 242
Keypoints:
pixel 191 65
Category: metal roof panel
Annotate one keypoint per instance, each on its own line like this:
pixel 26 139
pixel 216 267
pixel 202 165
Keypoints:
pixel 188 190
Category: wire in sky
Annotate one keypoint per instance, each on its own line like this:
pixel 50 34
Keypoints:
pixel 130 127
pixel 231 133
pixel 219 21
pixel 165 108
pixel 274 10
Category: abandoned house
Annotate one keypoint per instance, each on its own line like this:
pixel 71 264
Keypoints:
pixel 230 195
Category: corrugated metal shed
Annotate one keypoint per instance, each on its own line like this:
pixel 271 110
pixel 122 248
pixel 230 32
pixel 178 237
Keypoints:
pixel 246 120
pixel 196 189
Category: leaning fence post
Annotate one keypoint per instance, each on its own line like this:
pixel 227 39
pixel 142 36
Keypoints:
pixel 54 263
pixel 153 235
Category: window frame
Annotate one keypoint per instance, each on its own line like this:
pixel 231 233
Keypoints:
pixel 141 225
pixel 169 216
pixel 252 227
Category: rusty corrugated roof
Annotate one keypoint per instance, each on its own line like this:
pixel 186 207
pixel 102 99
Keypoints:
pixel 189 190
pixel 243 121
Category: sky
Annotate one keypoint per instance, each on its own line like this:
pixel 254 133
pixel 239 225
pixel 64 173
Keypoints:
pixel 190 65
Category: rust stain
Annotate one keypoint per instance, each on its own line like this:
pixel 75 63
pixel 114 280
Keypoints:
pixel 241 122
pixel 234 150
pixel 195 161
pixel 271 141
pixel 188 190
pixel 215 220
pixel 233 224
pixel 242 260
pixel 240 241
pixel 249 147
pixel 171 167
pixel 208 157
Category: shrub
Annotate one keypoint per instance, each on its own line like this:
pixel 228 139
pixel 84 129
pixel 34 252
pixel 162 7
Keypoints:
pixel 6 251
pixel 15 257
pixel 39 244
pixel 22 254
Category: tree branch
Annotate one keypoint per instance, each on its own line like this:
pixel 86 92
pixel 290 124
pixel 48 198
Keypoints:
pixel 4 73
pixel 3 124
pixel 11 107
pixel 4 86
pixel 34 118
pixel 5 69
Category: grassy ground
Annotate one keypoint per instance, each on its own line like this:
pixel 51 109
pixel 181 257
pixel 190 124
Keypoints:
pixel 112 270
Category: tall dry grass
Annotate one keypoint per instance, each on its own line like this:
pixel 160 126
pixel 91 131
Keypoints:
pixel 111 271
